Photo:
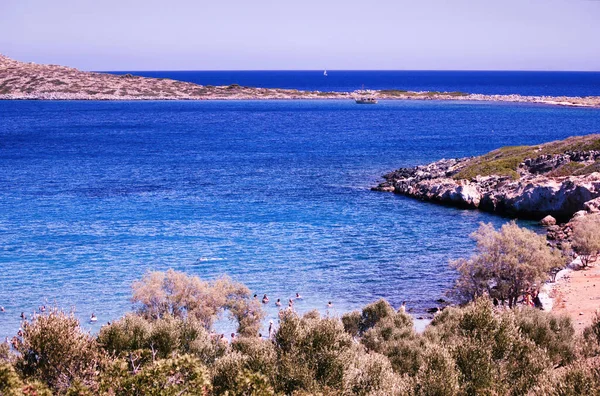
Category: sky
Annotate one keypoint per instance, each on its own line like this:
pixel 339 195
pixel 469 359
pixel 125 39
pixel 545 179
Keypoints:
pixel 304 34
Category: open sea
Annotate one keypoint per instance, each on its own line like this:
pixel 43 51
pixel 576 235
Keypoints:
pixel 272 193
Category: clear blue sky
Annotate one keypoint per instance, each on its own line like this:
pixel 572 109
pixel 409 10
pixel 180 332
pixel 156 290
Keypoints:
pixel 304 34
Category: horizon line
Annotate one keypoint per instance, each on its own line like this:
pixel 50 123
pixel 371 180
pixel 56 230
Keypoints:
pixel 348 70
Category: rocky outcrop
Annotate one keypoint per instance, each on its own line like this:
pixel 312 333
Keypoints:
pixel 534 195
pixel 548 221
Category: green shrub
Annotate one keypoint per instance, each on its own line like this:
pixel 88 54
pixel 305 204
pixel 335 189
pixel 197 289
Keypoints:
pixel 579 379
pixel 54 349
pixel 310 352
pixel 438 374
pixel 372 374
pixel 553 333
pixel 181 375
pixel 226 372
pixel 10 383
pixel 261 355
pixel 129 333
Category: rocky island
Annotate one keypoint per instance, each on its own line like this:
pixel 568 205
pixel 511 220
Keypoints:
pixel 20 80
pixel 558 179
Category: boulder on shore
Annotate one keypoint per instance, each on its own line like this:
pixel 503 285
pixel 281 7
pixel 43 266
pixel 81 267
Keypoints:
pixel 548 221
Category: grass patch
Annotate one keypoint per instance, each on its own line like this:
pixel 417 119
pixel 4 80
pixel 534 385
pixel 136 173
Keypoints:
pixel 502 162
pixel 505 161
pixel 594 167
pixel 568 169
pixel 393 92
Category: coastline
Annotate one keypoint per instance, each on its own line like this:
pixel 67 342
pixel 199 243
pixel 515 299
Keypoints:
pixel 243 93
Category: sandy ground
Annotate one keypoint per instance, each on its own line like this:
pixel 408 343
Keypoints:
pixel 578 295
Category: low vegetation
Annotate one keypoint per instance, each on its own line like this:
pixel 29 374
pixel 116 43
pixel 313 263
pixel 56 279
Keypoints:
pixel 470 350
pixel 586 238
pixel 505 161
pixel 167 346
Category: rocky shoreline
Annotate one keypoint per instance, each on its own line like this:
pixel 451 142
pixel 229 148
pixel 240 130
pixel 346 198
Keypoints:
pixel 30 81
pixel 561 185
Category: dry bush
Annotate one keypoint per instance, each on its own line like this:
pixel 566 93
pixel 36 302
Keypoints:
pixel 180 375
pixel 578 379
pixel 172 293
pixel 507 263
pixel 586 237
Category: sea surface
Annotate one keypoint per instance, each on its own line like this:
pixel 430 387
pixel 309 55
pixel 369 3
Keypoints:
pixel 480 82
pixel 274 194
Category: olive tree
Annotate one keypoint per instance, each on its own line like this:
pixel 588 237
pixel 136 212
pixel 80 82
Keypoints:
pixel 175 294
pixel 586 238
pixel 508 262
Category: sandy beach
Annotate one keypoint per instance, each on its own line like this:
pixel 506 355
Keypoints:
pixel 577 294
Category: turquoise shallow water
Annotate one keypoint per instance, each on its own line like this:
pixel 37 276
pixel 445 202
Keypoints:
pixel 274 194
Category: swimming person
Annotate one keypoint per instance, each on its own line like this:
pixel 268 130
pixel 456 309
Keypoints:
pixel 265 299
pixel 403 307
pixel 329 305
pixel 278 302
pixel 93 318
pixel 291 303
pixel 298 296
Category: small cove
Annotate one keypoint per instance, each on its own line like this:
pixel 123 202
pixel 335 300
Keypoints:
pixel 274 194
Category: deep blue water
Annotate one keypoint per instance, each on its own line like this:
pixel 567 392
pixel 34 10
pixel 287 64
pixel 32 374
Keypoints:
pixel 482 82
pixel 274 194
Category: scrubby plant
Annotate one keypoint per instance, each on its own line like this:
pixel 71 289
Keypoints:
pixel 369 373
pixel 386 331
pixel 489 350
pixel 129 333
pixel 311 351
pixel 469 350
pixel 508 262
pixel 586 238
pixel 10 383
pixel 180 375
pixel 438 374
pixel 261 355
pixel 55 350
pixel 175 294
pixel 554 333
pixel 579 379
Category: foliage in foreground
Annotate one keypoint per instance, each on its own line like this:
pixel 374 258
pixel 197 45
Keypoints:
pixel 470 350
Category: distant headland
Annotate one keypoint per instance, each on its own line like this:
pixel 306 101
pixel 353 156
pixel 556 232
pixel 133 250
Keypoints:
pixel 30 81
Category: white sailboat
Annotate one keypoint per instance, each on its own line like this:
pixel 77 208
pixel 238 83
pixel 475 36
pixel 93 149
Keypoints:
pixel 325 73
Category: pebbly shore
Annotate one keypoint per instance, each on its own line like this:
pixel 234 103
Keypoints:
pixel 30 81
